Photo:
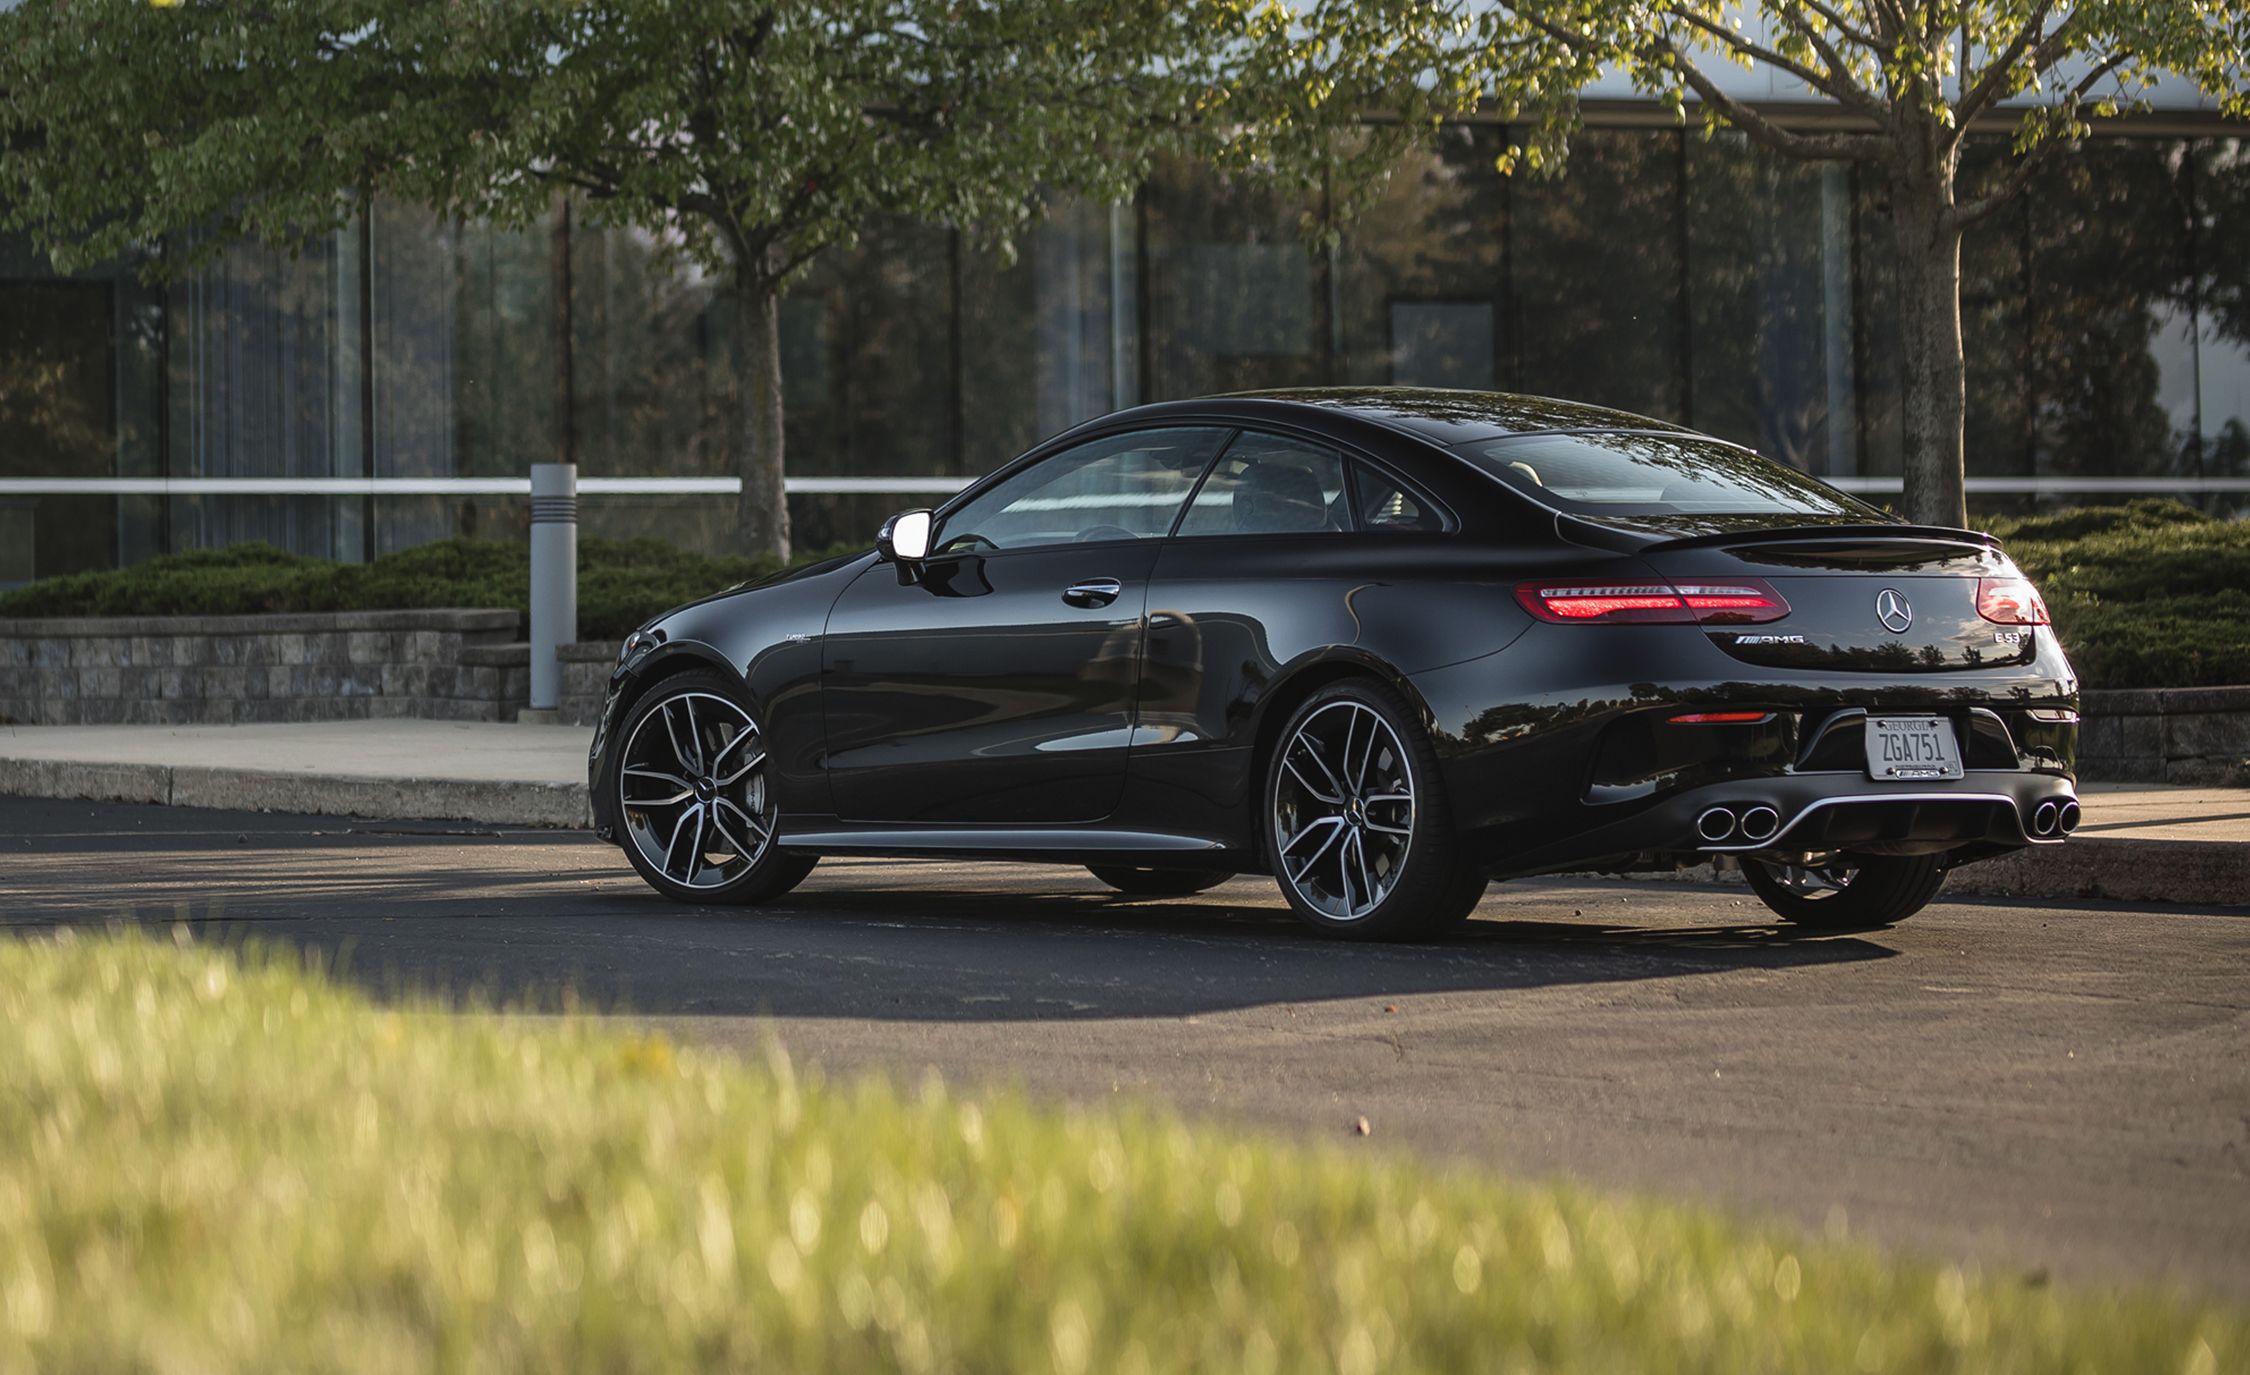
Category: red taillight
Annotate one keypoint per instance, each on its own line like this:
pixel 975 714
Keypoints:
pixel 1609 601
pixel 1735 601
pixel 1721 718
pixel 2010 601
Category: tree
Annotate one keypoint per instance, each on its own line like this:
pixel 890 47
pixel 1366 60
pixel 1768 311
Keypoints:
pixel 750 135
pixel 1908 80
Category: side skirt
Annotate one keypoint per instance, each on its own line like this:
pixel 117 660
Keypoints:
pixel 1036 844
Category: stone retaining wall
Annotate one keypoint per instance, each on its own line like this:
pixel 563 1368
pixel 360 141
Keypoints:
pixel 585 677
pixel 174 670
pixel 2197 736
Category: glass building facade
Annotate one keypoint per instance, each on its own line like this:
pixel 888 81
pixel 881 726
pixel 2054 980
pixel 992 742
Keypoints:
pixel 1690 278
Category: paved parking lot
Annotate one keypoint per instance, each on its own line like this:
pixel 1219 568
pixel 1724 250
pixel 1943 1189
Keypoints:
pixel 2056 1089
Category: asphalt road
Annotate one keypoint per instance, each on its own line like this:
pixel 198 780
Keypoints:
pixel 2055 1089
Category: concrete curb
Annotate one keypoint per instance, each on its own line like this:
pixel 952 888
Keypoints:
pixel 2122 868
pixel 560 805
pixel 2186 872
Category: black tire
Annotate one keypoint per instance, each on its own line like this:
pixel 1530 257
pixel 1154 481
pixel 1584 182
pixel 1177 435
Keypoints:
pixel 1428 884
pixel 652 748
pixel 1879 890
pixel 1155 883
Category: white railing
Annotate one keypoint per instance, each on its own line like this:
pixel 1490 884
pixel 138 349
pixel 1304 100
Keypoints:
pixel 2038 486
pixel 818 486
pixel 448 486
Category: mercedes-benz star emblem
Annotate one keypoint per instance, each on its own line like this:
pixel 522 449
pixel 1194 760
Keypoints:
pixel 1893 610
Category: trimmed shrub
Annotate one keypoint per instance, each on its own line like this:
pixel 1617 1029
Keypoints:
pixel 621 583
pixel 2150 594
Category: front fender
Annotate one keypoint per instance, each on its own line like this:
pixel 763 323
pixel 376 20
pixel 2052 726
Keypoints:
pixel 765 639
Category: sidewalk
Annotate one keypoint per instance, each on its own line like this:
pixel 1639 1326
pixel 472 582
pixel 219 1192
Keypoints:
pixel 2141 843
pixel 502 775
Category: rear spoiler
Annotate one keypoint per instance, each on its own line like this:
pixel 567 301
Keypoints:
pixel 1602 535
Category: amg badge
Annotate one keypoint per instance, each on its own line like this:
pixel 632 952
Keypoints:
pixel 1769 639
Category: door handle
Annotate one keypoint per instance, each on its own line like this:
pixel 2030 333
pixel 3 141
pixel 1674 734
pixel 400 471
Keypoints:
pixel 1093 592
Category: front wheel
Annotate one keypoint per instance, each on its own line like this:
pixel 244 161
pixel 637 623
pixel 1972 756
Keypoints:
pixel 1356 822
pixel 1847 892
pixel 692 798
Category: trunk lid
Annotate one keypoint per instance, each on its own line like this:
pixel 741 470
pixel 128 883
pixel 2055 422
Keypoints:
pixel 1889 599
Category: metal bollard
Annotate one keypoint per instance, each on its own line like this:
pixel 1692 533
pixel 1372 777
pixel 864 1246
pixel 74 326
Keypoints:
pixel 554 581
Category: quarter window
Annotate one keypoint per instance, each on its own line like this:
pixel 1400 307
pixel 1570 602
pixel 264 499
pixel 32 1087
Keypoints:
pixel 1387 507
pixel 1271 485
pixel 1120 487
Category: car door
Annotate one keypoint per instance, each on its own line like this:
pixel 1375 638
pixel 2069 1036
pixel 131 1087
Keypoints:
pixel 1290 549
pixel 1269 515
pixel 995 682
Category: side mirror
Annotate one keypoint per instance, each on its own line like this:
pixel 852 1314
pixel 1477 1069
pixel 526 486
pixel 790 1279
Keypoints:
pixel 905 538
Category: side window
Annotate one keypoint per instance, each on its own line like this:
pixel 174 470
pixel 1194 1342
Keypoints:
pixel 1268 485
pixel 1127 486
pixel 1386 507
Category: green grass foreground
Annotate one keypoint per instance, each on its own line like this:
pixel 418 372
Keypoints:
pixel 217 1162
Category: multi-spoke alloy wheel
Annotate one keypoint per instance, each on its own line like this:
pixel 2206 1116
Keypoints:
pixel 693 797
pixel 1344 816
pixel 1815 882
pixel 1356 828
pixel 1846 891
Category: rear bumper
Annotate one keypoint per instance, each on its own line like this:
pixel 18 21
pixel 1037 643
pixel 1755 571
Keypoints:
pixel 1586 766
pixel 1984 812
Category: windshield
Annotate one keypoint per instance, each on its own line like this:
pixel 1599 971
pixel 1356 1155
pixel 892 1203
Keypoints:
pixel 1633 474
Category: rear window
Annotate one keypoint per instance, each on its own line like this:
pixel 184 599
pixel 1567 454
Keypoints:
pixel 1654 475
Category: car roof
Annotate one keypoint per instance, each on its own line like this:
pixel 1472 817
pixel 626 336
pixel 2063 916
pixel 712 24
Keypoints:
pixel 1458 417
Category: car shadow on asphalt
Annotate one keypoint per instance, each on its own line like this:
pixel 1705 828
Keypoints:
pixel 516 920
pixel 1018 957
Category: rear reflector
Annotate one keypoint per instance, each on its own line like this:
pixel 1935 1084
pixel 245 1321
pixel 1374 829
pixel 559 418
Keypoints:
pixel 2010 601
pixel 1736 601
pixel 1722 718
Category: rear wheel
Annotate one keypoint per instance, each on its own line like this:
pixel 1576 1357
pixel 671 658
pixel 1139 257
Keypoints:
pixel 1155 883
pixel 1356 823
pixel 1846 892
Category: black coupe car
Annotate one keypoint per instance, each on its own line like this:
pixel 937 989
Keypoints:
pixel 1382 644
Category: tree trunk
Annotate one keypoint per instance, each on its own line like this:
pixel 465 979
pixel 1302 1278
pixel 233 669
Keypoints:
pixel 1933 389
pixel 762 511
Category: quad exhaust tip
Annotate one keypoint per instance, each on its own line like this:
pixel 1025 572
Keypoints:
pixel 2066 820
pixel 1716 824
pixel 2045 818
pixel 1760 822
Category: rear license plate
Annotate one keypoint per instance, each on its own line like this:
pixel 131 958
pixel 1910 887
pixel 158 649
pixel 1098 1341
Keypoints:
pixel 1908 748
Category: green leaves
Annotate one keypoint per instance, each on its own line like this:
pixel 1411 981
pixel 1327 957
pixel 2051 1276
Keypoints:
pixel 749 133
pixel 1902 67
pixel 753 133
